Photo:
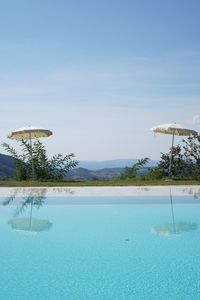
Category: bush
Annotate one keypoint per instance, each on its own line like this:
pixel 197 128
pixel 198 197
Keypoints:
pixel 131 172
pixel 185 160
pixel 33 163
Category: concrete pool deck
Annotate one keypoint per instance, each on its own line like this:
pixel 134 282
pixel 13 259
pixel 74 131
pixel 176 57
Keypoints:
pixel 193 190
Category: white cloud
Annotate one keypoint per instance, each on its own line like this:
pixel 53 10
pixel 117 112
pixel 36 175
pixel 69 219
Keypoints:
pixel 196 119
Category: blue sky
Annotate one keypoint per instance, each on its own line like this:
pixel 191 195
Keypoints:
pixel 99 74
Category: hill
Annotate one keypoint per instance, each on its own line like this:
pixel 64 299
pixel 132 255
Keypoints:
pixel 7 166
pixel 114 163
pixel 87 170
pixel 87 175
pixel 107 173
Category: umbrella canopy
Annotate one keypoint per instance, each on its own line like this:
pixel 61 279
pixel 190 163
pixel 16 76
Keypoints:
pixel 28 133
pixel 174 129
pixel 30 225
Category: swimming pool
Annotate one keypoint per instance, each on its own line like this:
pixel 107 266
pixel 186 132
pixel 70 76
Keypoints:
pixel 100 244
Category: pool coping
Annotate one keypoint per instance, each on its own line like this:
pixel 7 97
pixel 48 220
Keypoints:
pixel 193 190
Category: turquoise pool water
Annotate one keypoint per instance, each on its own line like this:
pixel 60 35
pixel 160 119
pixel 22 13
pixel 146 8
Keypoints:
pixel 118 249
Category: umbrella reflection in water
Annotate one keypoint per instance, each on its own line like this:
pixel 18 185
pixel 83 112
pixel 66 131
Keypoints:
pixel 30 224
pixel 174 228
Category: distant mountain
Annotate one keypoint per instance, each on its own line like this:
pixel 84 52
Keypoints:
pixel 87 170
pixel 108 173
pixel 87 175
pixel 7 166
pixel 114 163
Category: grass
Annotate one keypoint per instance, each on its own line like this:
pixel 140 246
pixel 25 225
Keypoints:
pixel 116 182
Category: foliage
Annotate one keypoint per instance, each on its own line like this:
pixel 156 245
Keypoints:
pixel 22 167
pixel 185 162
pixel 34 163
pixel 131 172
pixel 192 154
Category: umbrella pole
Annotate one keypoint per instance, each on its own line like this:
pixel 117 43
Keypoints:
pixel 172 210
pixel 30 219
pixel 170 163
pixel 32 163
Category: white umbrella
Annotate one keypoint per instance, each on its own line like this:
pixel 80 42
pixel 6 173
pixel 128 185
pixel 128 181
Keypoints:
pixel 29 133
pixel 173 129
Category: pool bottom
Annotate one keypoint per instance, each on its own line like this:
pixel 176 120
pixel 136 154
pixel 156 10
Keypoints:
pixel 95 252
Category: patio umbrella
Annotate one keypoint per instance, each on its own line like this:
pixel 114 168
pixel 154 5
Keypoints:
pixel 173 129
pixel 29 133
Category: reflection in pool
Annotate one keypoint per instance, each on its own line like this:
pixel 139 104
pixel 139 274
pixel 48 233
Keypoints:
pixel 174 227
pixel 29 224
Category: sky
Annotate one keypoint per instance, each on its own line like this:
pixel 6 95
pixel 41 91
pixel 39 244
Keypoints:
pixel 99 74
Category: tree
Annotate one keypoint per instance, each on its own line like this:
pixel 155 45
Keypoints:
pixel 54 168
pixel 131 172
pixel 177 163
pixel 191 149
pixel 185 162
